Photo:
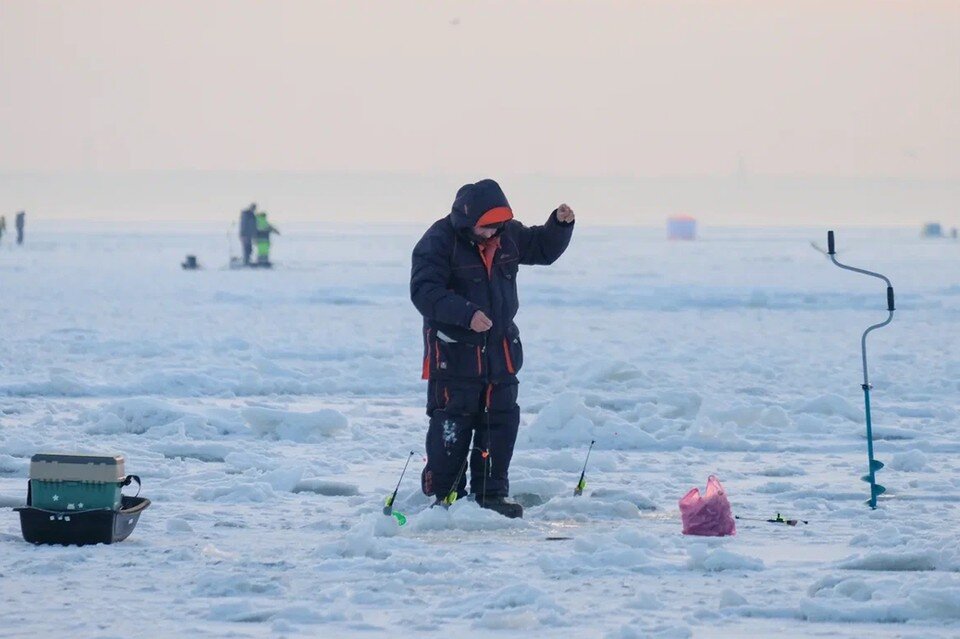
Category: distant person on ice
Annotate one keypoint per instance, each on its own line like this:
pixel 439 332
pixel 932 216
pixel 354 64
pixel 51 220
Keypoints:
pixel 464 283
pixel 264 229
pixel 3 226
pixel 248 229
pixel 20 219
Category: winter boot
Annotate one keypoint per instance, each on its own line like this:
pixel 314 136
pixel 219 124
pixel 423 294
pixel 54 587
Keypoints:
pixel 502 505
pixel 442 501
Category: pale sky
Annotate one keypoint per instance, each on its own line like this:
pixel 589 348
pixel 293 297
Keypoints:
pixel 595 88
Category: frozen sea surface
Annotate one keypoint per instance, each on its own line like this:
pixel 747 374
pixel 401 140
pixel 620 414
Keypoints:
pixel 269 413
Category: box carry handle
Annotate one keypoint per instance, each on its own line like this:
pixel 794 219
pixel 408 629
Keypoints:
pixel 131 478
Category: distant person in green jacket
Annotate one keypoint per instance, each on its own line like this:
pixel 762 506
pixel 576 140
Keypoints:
pixel 264 229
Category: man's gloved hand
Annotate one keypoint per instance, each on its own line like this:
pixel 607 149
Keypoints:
pixel 565 214
pixel 480 323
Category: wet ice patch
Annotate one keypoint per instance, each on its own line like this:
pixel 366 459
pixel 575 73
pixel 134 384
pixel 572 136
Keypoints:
pixel 296 427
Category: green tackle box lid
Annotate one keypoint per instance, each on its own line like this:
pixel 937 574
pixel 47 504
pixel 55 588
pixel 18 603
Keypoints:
pixel 73 467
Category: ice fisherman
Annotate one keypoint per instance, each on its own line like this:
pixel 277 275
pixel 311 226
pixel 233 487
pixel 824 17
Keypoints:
pixel 19 222
pixel 248 228
pixel 464 283
pixel 3 226
pixel 264 229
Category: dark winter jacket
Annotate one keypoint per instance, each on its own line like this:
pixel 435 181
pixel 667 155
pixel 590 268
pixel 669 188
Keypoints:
pixel 248 222
pixel 449 282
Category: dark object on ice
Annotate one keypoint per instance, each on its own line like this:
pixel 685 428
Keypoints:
pixel 499 504
pixel 874 465
pixel 248 228
pixel 190 264
pixel 681 227
pixel 583 482
pixel 502 505
pixel 81 527
pixel 932 229
pixel 953 233
pixel 777 520
pixel 20 220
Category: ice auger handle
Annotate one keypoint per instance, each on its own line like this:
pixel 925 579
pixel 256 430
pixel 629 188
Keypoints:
pixel 830 245
pixel 890 306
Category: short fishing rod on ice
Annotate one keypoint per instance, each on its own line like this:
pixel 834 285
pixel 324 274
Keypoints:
pixel 778 520
pixel 583 483
pixel 388 506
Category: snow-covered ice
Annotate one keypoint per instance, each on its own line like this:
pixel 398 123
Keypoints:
pixel 269 414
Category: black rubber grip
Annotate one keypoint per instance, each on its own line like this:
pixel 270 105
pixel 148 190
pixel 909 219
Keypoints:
pixel 890 306
pixel 830 249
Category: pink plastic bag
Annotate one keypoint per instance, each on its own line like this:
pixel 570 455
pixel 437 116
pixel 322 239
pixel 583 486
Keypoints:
pixel 708 515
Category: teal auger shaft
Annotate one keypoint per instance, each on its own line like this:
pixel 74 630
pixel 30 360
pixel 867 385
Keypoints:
pixel 873 464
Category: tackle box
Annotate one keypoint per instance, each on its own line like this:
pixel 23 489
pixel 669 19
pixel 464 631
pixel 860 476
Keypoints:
pixel 76 482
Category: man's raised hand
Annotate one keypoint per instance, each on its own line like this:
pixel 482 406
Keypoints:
pixel 565 213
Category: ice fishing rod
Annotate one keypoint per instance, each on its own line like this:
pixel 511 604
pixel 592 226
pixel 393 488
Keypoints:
pixel 485 454
pixel 777 520
pixel 582 483
pixel 388 506
pixel 453 495
pixel 874 465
